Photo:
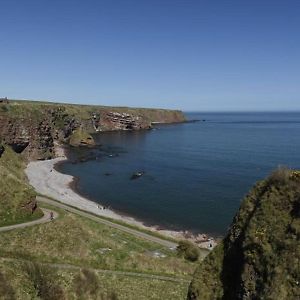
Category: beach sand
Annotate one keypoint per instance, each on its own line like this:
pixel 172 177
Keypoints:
pixel 49 182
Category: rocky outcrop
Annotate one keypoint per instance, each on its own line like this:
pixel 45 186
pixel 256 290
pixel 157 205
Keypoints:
pixel 105 119
pixel 34 139
pixel 122 121
pixel 31 128
pixel 260 256
pixel 81 138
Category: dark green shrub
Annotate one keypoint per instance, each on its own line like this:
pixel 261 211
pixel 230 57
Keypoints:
pixel 188 250
pixel 4 108
pixel 86 284
pixel 43 280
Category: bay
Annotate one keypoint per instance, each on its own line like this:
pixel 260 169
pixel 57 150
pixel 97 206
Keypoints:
pixel 196 174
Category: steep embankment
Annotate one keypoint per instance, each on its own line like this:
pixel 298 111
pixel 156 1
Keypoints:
pixel 17 198
pixel 260 256
pixel 31 128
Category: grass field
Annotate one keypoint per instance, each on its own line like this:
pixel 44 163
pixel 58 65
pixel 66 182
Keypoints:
pixel 77 241
pixel 51 283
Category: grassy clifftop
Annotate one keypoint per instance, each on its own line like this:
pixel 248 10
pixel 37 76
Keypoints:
pixel 260 256
pixel 31 127
pixel 23 108
pixel 17 198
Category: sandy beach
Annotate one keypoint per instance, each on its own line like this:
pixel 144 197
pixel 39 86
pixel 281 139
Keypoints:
pixel 49 182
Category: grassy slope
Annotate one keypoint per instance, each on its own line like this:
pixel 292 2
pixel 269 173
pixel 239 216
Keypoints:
pixel 44 282
pixel 75 240
pixel 260 257
pixel 15 193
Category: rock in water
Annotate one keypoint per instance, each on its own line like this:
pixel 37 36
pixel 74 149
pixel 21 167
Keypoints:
pixel 260 256
pixel 137 175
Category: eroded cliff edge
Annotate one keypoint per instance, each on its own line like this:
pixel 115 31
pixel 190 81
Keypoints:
pixel 31 128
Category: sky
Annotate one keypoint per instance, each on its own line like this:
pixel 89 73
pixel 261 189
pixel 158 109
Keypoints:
pixel 193 55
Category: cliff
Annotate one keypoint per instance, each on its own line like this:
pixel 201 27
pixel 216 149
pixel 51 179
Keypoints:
pixel 17 197
pixel 31 128
pixel 260 256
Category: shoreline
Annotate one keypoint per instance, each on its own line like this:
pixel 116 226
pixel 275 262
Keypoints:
pixel 46 180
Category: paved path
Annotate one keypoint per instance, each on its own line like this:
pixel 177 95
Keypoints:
pixel 46 218
pixel 126 229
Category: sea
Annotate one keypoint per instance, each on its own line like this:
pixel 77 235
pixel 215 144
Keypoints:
pixel 195 174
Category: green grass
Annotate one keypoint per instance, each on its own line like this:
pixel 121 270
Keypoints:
pixel 153 233
pixel 15 194
pixel 24 108
pixel 203 252
pixel 52 283
pixel 76 240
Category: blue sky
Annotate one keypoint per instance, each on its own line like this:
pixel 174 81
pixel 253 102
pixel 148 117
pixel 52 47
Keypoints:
pixel 191 55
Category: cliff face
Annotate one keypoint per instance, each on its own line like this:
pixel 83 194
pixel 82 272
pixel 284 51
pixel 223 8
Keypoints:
pixel 31 128
pixel 34 136
pixel 260 256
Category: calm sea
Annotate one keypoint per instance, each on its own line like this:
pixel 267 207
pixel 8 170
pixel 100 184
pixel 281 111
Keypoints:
pixel 196 174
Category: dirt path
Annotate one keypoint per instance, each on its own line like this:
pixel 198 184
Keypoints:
pixel 104 271
pixel 46 218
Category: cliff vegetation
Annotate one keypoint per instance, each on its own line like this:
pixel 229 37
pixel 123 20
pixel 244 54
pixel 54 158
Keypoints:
pixel 260 256
pixel 17 198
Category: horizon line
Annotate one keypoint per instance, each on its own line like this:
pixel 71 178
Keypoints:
pixel 291 110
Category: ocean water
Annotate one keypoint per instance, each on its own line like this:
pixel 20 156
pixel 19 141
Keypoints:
pixel 196 174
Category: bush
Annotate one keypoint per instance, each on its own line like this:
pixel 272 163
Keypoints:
pixel 281 176
pixel 44 281
pixel 87 286
pixel 4 108
pixel 188 250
